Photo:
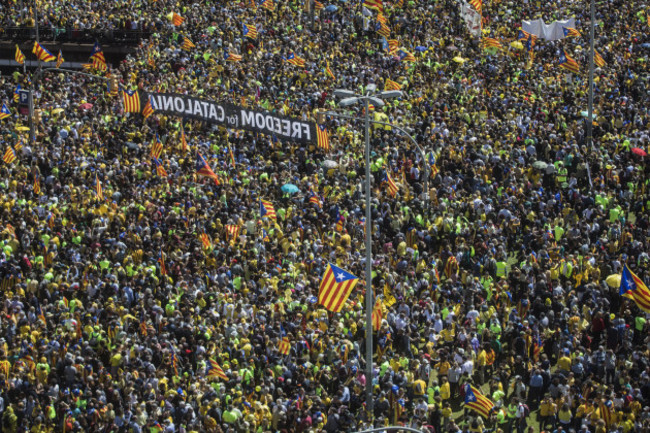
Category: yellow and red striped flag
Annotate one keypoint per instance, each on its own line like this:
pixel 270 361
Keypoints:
pixel 42 53
pixel 59 59
pixel 9 156
pixel 232 231
pixel 267 210
pixel 177 20
pixel 20 57
pixel 295 60
pixel 392 85
pixel 377 315
pixel 250 31
pixel 390 185
pixel 491 42
pixel 335 288
pixel 478 5
pixel 285 346
pixel 568 63
pixel 328 70
pixel 215 370
pixel 131 100
pixel 156 147
pixel 323 138
pixel 205 240
pixel 187 44
pixel 634 288
pixel 598 59
pixel 148 109
pixel 37 185
pixel 98 188
pixel 478 402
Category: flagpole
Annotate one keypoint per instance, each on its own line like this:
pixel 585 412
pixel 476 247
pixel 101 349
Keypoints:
pixel 591 79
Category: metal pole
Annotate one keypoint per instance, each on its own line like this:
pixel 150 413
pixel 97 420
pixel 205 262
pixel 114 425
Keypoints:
pixel 591 77
pixel 32 129
pixel 590 108
pixel 391 427
pixel 402 130
pixel 368 227
pixel 313 7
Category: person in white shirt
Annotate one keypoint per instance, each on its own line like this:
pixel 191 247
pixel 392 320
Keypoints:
pixel 468 367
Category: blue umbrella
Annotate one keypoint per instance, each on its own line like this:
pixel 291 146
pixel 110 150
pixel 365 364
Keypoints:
pixel 420 48
pixel 289 188
pixel 331 8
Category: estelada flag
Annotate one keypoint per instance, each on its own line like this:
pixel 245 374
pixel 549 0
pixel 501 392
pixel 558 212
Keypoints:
pixel 335 288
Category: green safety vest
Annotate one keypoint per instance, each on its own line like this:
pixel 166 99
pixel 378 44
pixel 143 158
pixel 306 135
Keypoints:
pixel 512 411
pixel 501 269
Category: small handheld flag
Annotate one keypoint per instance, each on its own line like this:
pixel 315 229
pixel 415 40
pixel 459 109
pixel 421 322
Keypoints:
pixel 285 346
pixel 323 138
pixel 131 100
pixel 203 169
pixel 295 60
pixel 568 63
pixel 215 370
pixel 9 156
pixel 98 188
pixel 598 59
pixel 17 93
pixel 377 315
pixel 37 185
pixel 390 185
pixel 405 56
pixel 335 288
pixel 59 59
pixel 267 210
pixel 571 32
pixel 268 5
pixel 392 85
pixel 250 31
pixel 97 57
pixel 634 288
pixel 156 147
pixel 376 5
pixel 159 167
pixel 148 109
pixel 177 20
pixel 20 57
pixel 4 112
pixel 42 53
pixel 328 70
pixel 478 402
pixel 205 240
pixel 230 57
pixel 187 44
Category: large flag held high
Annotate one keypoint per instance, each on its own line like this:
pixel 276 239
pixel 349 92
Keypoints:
pixel 335 288
pixel 478 402
pixel 634 288
pixel 42 53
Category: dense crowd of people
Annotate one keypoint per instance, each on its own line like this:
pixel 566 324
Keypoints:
pixel 499 272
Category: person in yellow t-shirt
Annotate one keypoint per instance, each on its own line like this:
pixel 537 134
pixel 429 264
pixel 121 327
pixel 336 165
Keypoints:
pixel 445 390
pixel 443 367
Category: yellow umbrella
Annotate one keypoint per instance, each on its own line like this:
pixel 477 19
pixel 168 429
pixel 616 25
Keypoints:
pixel 57 110
pixel 613 280
pixel 517 45
pixel 22 128
pixel 459 59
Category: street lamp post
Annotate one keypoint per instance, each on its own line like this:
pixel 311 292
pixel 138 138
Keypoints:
pixel 410 137
pixel 351 98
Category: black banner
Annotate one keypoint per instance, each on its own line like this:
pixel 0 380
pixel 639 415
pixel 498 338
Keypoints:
pixel 232 116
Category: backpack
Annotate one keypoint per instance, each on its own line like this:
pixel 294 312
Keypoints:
pixel 526 410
